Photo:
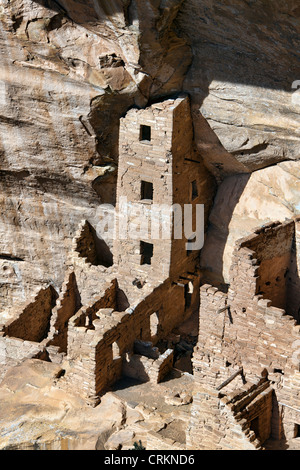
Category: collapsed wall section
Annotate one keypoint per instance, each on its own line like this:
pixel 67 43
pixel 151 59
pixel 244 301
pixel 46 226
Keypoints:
pixel 24 336
pixel 101 339
pixel 267 253
pixel 239 420
pixel 242 331
pixel 34 322
pixel 67 305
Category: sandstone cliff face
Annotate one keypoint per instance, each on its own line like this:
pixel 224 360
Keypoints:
pixel 69 71
pixel 245 62
pixel 243 203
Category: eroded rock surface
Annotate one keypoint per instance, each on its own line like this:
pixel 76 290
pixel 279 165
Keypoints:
pixel 245 62
pixel 36 414
pixel 243 203
pixel 69 71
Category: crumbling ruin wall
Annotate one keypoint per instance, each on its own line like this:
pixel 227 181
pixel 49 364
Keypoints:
pixel 89 246
pixel 100 337
pixel 271 247
pixel 24 336
pixel 67 305
pixel 243 330
pixel 261 336
pixel 34 322
pixel 293 276
pixel 91 278
pixel 15 350
pixel 214 345
pixel 146 369
pixel 231 421
pixel 82 341
pixel 85 244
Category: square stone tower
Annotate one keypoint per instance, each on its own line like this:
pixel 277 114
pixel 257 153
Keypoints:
pixel 157 166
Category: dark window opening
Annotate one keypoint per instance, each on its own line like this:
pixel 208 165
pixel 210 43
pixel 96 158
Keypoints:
pixel 278 371
pixel 147 190
pixel 145 133
pixel 194 190
pixel 146 252
pixel 297 430
pixel 254 426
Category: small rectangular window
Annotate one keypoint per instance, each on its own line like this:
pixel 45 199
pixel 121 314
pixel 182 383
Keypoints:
pixel 146 252
pixel 147 190
pixel 254 426
pixel 194 190
pixel 145 133
pixel 297 430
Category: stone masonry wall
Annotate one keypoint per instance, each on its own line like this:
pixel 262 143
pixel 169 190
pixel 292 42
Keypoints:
pixel 271 247
pixel 90 278
pixel 192 185
pixel 15 350
pixel 34 322
pixel 85 244
pixel 149 161
pixel 168 161
pixel 146 369
pixel 82 343
pixel 225 421
pixel 67 305
pixel 293 276
pixel 99 337
pixel 242 330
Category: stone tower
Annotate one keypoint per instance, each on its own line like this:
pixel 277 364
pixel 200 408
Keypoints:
pixel 157 166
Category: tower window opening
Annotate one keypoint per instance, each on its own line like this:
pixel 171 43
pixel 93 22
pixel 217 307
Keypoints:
pixel 147 190
pixel 146 251
pixel 145 133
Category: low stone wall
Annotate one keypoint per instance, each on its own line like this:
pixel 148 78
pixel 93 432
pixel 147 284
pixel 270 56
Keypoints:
pixel 146 369
pixel 15 350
